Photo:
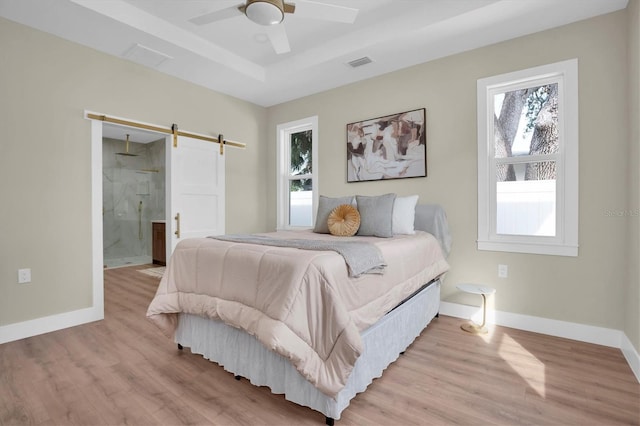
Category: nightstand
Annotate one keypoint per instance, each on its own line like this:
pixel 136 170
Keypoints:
pixel 484 291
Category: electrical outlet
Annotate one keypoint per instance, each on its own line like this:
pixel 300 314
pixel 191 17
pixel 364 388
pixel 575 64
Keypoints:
pixel 24 276
pixel 503 271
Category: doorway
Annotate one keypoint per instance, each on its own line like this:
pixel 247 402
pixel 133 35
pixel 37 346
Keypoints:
pixel 133 193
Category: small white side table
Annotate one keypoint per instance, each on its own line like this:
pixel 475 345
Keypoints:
pixel 484 291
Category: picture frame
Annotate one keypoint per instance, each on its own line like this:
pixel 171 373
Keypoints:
pixel 393 146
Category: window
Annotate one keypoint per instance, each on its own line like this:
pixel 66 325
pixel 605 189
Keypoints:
pixel 297 173
pixel 528 161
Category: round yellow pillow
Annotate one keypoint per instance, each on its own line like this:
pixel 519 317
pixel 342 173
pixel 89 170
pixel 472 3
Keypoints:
pixel 344 220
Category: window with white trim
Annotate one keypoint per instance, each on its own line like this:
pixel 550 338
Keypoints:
pixel 297 173
pixel 528 160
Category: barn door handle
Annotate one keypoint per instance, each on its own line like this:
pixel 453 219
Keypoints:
pixel 177 225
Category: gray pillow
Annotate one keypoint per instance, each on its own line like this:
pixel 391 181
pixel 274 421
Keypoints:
pixel 325 207
pixel 376 215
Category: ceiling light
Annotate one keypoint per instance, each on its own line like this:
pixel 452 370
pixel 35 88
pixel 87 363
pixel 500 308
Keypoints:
pixel 265 12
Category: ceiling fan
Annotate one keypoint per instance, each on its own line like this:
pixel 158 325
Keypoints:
pixel 271 13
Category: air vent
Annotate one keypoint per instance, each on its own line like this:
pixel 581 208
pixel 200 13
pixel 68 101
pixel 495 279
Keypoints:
pixel 145 55
pixel 360 62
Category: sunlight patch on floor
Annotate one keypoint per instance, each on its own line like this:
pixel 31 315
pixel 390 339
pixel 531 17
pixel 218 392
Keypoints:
pixel 523 362
pixel 476 318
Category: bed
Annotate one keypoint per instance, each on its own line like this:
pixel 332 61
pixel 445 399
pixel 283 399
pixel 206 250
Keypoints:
pixel 310 328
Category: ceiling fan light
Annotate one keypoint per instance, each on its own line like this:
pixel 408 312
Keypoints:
pixel 265 12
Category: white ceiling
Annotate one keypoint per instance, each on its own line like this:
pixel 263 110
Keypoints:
pixel 234 55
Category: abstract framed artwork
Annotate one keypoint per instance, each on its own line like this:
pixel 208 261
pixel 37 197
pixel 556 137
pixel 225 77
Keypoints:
pixel 389 147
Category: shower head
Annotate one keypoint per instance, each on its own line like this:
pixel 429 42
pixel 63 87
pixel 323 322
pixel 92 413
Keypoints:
pixel 127 153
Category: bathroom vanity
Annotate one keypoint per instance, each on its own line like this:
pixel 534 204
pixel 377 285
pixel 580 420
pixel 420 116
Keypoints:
pixel 159 242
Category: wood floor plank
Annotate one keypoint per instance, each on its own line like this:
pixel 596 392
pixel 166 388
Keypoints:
pixel 123 370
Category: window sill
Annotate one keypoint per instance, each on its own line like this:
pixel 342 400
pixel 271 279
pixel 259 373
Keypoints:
pixel 531 248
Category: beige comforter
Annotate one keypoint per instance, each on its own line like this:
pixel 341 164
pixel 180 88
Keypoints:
pixel 301 304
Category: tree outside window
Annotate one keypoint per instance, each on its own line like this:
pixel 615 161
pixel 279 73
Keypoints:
pixel 300 181
pixel 526 143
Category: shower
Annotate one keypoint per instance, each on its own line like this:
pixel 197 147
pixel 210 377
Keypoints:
pixel 133 195
pixel 126 150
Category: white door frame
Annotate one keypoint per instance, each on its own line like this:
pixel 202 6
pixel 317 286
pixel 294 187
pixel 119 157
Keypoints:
pixel 97 265
pixel 97 275
pixel 97 249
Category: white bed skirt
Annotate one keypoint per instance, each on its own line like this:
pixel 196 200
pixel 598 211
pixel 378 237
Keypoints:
pixel 243 355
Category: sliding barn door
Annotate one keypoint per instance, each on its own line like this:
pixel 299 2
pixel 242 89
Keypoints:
pixel 196 191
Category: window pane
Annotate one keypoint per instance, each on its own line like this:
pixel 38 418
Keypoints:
pixel 526 121
pixel 300 163
pixel 527 205
pixel 300 203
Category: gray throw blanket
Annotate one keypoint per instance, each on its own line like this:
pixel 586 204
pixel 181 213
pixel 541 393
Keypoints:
pixel 361 257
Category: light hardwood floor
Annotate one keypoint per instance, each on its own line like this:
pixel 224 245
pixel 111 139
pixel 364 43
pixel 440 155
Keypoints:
pixel 124 371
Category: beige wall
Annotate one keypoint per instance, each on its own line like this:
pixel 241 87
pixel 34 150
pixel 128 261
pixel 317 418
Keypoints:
pixel 632 319
pixel 588 289
pixel 45 167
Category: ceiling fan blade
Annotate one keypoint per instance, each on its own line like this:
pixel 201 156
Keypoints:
pixel 278 38
pixel 326 12
pixel 217 15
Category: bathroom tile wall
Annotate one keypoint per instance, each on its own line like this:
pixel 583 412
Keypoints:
pixel 133 194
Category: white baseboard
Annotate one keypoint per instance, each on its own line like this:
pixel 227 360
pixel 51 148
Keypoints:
pixel 569 330
pixel 632 356
pixel 22 330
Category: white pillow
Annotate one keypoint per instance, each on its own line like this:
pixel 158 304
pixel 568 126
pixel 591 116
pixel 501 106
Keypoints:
pixel 404 214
